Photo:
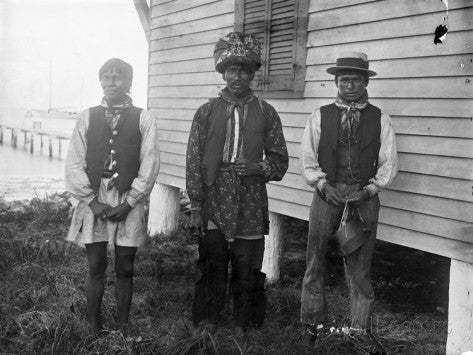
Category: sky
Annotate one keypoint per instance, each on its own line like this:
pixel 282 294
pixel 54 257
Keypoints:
pixel 67 41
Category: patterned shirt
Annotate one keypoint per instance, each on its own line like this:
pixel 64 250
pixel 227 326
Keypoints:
pixel 237 210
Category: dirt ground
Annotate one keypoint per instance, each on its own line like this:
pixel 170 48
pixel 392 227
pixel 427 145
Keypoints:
pixel 42 301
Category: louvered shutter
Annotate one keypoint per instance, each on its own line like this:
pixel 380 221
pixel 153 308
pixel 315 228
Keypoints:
pixel 281 26
pixel 273 23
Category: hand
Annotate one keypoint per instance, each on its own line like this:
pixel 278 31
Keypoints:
pixel 332 196
pixel 196 224
pixel 119 212
pixel 358 197
pixel 245 168
pixel 99 209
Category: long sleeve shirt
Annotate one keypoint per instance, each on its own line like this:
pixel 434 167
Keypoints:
pixel 387 158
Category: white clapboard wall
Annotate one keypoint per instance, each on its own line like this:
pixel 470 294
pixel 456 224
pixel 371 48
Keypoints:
pixel 427 89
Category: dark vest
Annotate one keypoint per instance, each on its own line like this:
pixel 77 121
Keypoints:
pixel 368 148
pixel 252 135
pixel 125 139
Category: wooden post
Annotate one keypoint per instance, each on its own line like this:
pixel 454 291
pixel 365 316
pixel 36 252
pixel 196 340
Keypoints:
pixel 50 146
pixel 15 138
pixel 273 248
pixel 31 143
pixel 1 135
pixel 164 208
pixel 460 308
pixel 41 140
pixel 60 148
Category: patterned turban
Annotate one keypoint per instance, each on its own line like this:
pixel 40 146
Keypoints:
pixel 237 48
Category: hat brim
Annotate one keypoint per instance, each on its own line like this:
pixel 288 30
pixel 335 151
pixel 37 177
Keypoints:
pixel 335 70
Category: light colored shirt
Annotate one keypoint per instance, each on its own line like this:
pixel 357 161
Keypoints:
pixel 84 227
pixel 387 158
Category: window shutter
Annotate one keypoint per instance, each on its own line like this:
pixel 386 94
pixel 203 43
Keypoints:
pixel 281 27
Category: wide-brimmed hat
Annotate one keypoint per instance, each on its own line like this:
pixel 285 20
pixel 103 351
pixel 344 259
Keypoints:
pixel 237 48
pixel 352 61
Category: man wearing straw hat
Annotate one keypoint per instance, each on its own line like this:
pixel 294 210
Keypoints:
pixel 236 145
pixel 348 156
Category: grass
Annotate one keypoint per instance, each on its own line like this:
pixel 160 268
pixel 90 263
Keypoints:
pixel 42 300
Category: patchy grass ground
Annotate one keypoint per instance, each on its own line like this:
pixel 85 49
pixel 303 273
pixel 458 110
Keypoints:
pixel 42 301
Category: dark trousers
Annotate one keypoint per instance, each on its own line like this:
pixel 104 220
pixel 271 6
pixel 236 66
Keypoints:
pixel 324 220
pixel 246 284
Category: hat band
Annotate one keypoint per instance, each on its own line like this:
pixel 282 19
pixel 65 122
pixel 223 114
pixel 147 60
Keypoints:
pixel 352 62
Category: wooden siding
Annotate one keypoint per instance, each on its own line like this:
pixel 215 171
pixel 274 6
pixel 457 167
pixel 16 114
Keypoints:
pixel 427 89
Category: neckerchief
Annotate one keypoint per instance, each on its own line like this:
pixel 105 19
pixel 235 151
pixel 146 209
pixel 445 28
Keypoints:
pixel 351 112
pixel 114 112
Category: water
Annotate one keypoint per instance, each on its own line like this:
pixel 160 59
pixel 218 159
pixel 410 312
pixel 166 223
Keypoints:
pixel 24 175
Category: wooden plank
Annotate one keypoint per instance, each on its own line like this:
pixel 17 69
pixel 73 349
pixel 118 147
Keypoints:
pixel 173 114
pixel 333 4
pixel 379 10
pixel 400 107
pixel 186 79
pixel 176 6
pixel 206 24
pixel 177 125
pixel 435 206
pixel 443 146
pixel 185 66
pixel 422 24
pixel 201 91
pixel 405 47
pixel 436 88
pixel 192 79
pixel 422 241
pixel 436 165
pixel 192 39
pixel 192 14
pixel 179 54
pixel 172 180
pixel 434 126
pixel 173 158
pixel 451 65
pixel 172 147
pixel 457 189
pixel 443 227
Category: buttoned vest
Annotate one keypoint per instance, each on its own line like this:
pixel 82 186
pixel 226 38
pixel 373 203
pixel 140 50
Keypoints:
pixel 125 140
pixel 368 148
pixel 252 134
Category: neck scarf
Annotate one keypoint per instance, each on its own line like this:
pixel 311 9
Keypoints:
pixel 351 112
pixel 114 112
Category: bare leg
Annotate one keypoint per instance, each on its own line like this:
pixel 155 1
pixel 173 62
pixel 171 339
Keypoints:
pixel 124 265
pixel 97 260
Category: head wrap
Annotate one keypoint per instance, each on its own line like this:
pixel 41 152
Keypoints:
pixel 237 48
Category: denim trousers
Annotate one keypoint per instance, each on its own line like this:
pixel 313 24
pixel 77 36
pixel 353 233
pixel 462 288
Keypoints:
pixel 324 220
pixel 246 284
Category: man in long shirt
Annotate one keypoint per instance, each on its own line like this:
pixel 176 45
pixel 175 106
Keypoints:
pixel 111 166
pixel 236 145
pixel 348 154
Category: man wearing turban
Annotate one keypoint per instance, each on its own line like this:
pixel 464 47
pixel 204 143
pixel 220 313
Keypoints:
pixel 236 145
